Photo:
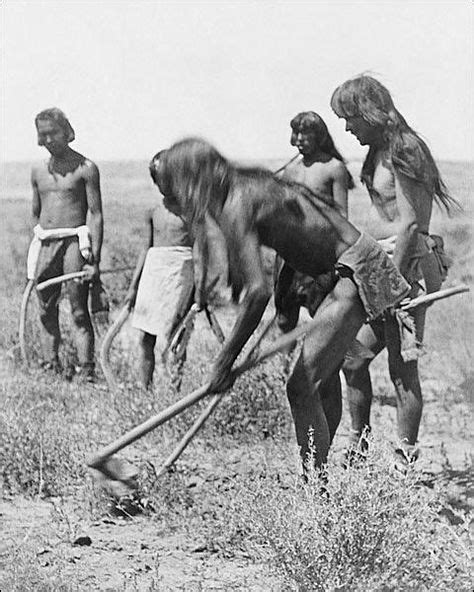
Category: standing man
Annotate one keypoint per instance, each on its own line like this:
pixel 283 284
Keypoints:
pixel 66 197
pixel 164 283
pixel 403 182
pixel 321 168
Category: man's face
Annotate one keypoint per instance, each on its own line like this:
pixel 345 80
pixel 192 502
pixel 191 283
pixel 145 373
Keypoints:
pixel 305 141
pixel 172 205
pixel 169 200
pixel 359 128
pixel 52 136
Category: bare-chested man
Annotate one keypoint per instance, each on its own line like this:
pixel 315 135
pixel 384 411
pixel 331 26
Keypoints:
pixel 403 183
pixel 66 197
pixel 253 208
pixel 321 168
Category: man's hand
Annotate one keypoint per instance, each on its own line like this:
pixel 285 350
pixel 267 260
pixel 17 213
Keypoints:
pixel 221 380
pixel 92 271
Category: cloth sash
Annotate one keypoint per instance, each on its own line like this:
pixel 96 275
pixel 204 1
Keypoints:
pixel 41 234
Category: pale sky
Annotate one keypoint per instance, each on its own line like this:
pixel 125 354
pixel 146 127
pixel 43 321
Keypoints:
pixel 135 76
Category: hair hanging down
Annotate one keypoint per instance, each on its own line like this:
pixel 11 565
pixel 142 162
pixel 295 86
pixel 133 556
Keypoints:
pixel 196 174
pixel 364 96
pixel 153 166
pixel 59 117
pixel 309 121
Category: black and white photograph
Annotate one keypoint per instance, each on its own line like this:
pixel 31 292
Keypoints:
pixel 237 309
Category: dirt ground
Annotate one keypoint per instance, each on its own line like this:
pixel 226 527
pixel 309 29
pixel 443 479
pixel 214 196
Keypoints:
pixel 143 552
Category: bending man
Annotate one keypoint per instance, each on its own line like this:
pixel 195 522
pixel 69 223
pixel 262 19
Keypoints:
pixel 253 208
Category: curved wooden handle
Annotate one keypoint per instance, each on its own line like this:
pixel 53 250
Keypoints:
pixel 153 422
pixel 104 357
pixel 22 323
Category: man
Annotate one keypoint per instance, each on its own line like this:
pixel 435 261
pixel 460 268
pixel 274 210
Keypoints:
pixel 253 208
pixel 403 182
pixel 321 168
pixel 66 195
pixel 164 283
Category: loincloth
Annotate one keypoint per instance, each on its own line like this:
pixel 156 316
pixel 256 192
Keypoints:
pixel 42 237
pixel 165 289
pixel 307 291
pixel 426 271
pixel 379 283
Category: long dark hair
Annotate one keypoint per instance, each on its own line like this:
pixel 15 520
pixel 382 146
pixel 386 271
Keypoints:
pixel 364 96
pixel 309 121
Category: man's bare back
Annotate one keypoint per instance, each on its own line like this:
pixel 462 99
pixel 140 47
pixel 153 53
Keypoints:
pixel 253 208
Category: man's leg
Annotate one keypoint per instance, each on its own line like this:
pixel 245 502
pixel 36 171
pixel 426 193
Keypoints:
pixel 359 384
pixel 406 380
pixel 78 293
pixel 49 322
pixel 146 358
pixel 49 266
pixel 185 302
pixel 339 318
pixel 331 397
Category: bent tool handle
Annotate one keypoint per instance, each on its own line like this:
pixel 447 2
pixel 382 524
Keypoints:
pixel 207 412
pixel 22 323
pixel 104 357
pixel 76 275
pixel 153 422
pixel 214 324
pixel 439 295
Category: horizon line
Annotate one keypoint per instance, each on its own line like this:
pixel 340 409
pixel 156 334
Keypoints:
pixel 243 159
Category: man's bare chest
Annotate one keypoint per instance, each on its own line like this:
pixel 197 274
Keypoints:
pixel 314 177
pixel 51 182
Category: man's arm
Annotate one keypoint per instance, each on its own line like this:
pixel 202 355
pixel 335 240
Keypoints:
pixel 257 295
pixel 137 274
pixel 94 207
pixel 339 188
pixel 36 205
pixel 408 195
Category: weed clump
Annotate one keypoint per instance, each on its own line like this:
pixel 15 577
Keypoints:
pixel 362 529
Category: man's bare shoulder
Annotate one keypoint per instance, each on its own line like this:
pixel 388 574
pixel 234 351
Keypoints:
pixel 294 165
pixel 337 168
pixel 89 168
pixel 39 167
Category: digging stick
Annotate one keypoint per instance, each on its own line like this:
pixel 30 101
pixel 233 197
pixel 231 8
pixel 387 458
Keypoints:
pixel 438 295
pixel 106 344
pixel 75 275
pixel 173 457
pixel 22 325
pixel 207 412
pixel 98 459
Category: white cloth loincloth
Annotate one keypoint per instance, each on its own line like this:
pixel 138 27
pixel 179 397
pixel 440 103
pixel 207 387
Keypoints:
pixel 167 272
pixel 40 234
